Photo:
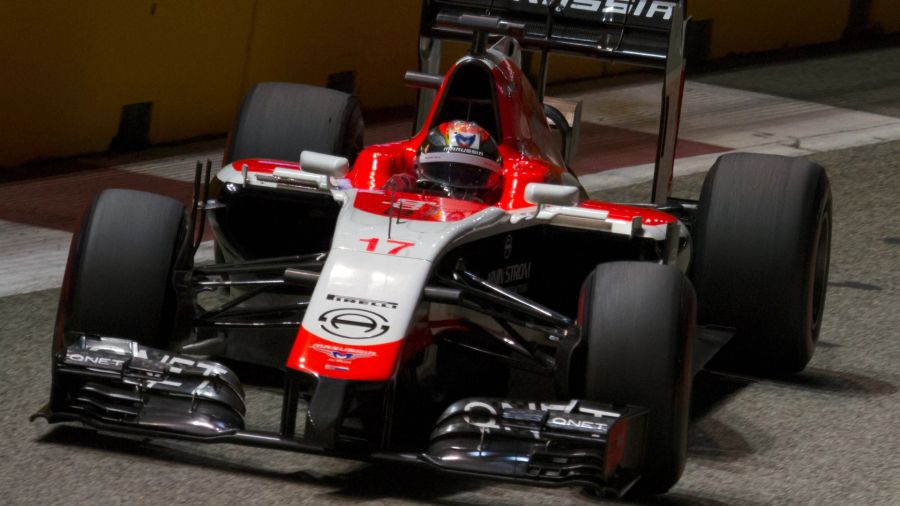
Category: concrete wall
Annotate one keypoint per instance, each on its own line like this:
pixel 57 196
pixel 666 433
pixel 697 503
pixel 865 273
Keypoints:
pixel 69 67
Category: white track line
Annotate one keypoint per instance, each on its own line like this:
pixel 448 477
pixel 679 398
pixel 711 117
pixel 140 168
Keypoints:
pixel 179 167
pixel 34 258
pixel 736 119
pixel 31 258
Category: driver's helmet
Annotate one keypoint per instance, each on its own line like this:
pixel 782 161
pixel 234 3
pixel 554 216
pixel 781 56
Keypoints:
pixel 459 159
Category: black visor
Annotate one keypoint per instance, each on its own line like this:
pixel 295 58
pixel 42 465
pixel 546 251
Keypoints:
pixel 457 175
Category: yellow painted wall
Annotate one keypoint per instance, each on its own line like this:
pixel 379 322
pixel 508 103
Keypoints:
pixel 886 15
pixel 67 67
pixel 196 63
pixel 741 26
pixel 305 41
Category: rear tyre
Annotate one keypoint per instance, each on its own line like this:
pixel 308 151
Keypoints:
pixel 279 120
pixel 120 273
pixel 637 319
pixel 763 241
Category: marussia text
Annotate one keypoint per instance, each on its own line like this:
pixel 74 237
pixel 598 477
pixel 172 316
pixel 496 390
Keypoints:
pixel 646 8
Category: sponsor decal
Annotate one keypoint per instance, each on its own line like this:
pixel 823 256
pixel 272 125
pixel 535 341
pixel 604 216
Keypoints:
pixel 510 274
pixel 658 9
pixel 460 155
pixel 485 419
pixel 94 360
pixel 209 368
pixel 372 245
pixel 566 422
pixel 364 302
pixel 353 323
pixel 334 367
pixel 341 353
pixel 573 415
pixel 403 208
pixel 507 247
pixel 462 140
pixel 174 363
pixel 137 369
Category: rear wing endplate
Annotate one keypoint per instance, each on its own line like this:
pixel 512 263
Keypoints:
pixel 646 33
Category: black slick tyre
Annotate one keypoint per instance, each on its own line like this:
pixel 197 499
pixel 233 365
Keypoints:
pixel 762 248
pixel 119 281
pixel 279 120
pixel 637 319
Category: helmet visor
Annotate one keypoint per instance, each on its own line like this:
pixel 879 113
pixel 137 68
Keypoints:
pixel 459 170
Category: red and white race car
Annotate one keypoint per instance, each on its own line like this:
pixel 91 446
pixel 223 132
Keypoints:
pixel 453 299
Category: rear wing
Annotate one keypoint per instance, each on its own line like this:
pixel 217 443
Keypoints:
pixel 646 33
pixel 630 31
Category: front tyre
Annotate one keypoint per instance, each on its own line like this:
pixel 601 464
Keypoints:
pixel 119 281
pixel 636 320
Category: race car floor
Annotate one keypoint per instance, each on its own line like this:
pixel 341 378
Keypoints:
pixel 826 436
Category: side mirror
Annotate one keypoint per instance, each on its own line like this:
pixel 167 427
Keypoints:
pixel 553 194
pixel 326 165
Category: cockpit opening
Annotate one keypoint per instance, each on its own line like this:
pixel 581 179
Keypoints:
pixel 470 97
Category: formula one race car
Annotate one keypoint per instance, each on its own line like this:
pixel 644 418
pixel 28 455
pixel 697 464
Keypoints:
pixel 452 300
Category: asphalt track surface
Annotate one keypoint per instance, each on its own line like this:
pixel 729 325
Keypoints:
pixel 825 436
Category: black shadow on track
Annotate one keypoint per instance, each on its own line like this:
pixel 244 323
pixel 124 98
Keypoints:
pixel 717 441
pixel 372 481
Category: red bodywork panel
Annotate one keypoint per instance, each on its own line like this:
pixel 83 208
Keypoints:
pixel 263 166
pixel 526 147
pixel 624 212
pixel 321 357
pixel 413 206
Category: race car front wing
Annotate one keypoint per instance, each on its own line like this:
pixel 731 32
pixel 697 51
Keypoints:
pixel 117 385
pixel 117 381
pixel 551 443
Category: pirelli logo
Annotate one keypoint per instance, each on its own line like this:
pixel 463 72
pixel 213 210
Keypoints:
pixel 363 302
pixel 658 9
